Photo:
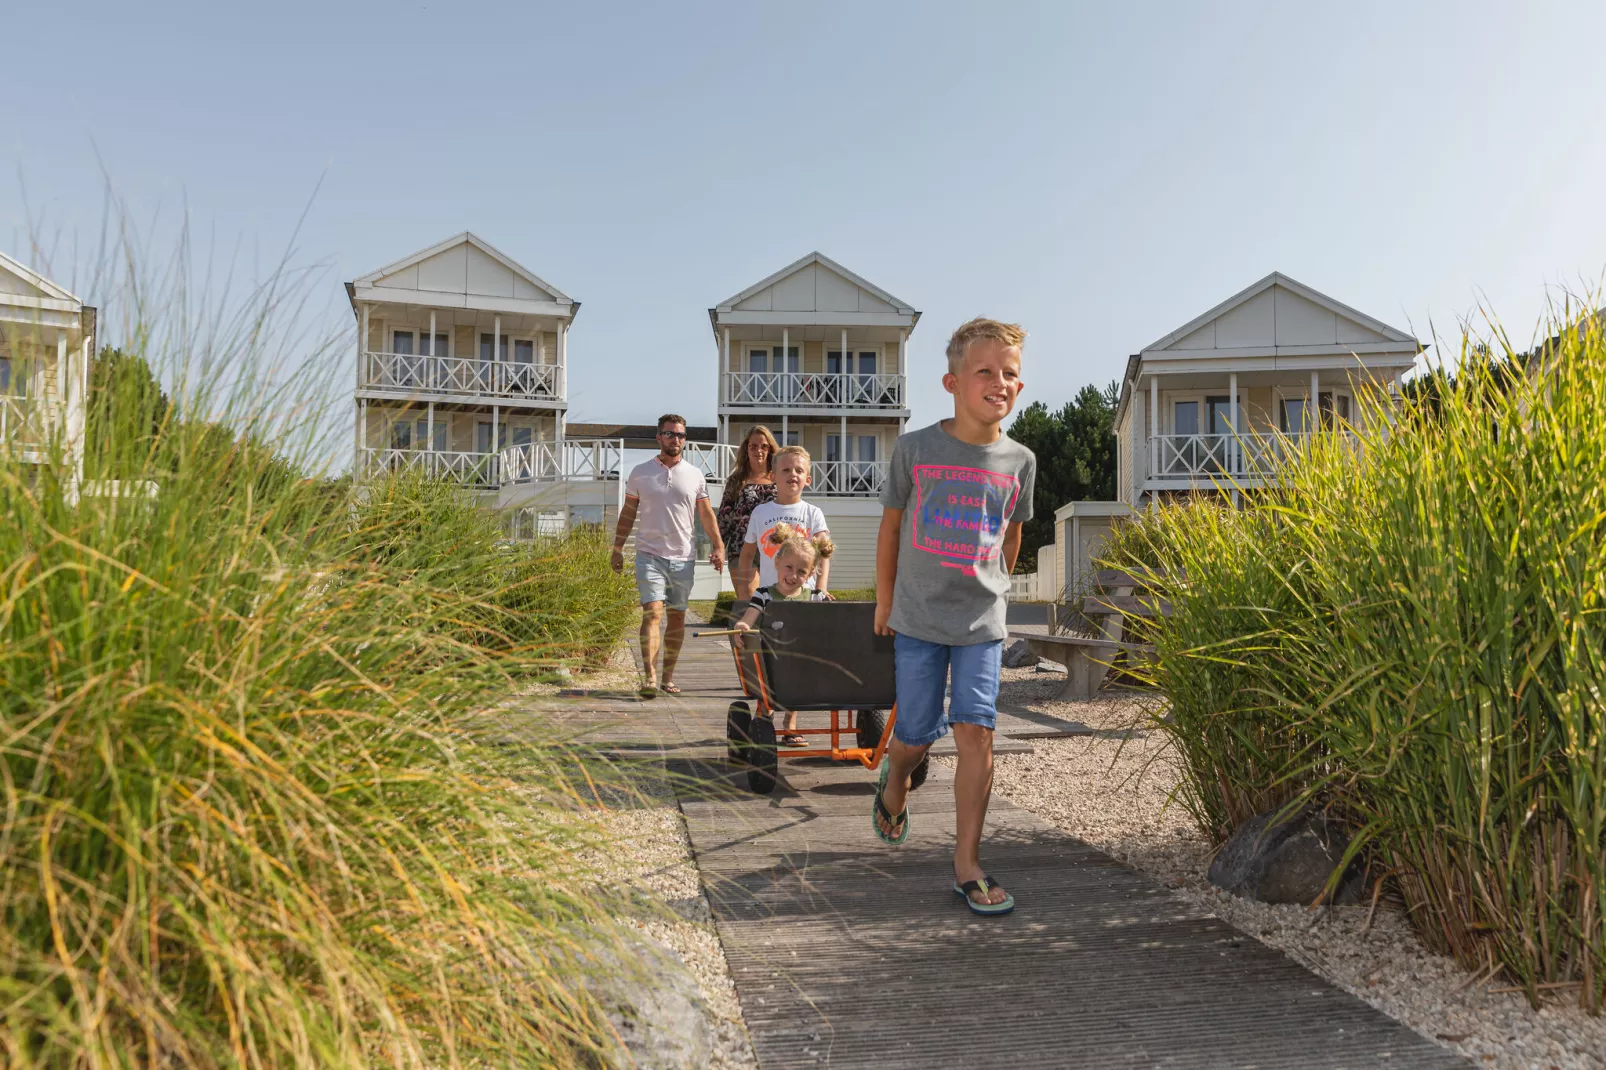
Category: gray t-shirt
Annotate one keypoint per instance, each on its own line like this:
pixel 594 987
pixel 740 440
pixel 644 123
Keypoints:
pixel 957 500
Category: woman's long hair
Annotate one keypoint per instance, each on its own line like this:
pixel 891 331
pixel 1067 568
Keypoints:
pixel 741 471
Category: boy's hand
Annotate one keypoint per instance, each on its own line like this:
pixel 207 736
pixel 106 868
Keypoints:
pixel 883 612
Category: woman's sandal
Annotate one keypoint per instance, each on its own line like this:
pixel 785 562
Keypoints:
pixel 898 821
pixel 984 886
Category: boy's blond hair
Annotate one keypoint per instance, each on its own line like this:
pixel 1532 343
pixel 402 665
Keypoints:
pixel 815 548
pixel 791 451
pixel 1007 334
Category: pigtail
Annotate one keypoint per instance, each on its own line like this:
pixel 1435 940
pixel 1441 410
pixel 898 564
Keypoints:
pixel 783 533
pixel 823 546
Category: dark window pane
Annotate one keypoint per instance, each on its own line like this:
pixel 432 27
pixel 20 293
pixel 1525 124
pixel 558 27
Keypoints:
pixel 1187 418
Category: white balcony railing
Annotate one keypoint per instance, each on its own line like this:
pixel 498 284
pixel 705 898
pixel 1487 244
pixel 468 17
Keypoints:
pixel 813 389
pixel 1205 457
pixel 848 479
pixel 714 460
pixel 469 469
pixel 23 421
pixel 537 462
pixel 462 376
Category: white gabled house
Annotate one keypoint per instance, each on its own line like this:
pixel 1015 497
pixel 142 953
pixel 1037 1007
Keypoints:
pixel 1211 403
pixel 820 356
pixel 47 340
pixel 462 373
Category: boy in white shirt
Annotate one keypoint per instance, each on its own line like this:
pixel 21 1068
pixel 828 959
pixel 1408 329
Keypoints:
pixel 790 469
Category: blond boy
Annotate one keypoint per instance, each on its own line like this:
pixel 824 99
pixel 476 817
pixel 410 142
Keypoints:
pixel 956 495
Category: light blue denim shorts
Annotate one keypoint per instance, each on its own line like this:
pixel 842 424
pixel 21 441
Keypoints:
pixel 659 579
pixel 922 669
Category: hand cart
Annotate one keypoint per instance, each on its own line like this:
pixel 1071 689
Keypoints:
pixel 812 657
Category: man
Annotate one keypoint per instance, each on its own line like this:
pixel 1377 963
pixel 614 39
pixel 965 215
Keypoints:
pixel 668 493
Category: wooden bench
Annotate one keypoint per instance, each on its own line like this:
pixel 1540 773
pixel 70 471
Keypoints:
pixel 1117 596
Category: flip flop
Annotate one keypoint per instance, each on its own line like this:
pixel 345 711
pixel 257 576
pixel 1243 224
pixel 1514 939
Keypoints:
pixel 792 739
pixel 881 811
pixel 647 691
pixel 985 885
pixel 669 689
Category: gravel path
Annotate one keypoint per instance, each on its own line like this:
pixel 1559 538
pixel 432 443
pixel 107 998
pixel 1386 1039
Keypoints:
pixel 1111 790
pixel 650 849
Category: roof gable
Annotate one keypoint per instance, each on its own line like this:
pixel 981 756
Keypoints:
pixel 1279 312
pixel 816 283
pixel 19 281
pixel 465 264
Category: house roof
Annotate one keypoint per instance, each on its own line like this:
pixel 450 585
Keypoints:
pixel 817 257
pixel 636 436
pixel 850 296
pixel 471 239
pixel 32 279
pixel 1294 321
pixel 1277 278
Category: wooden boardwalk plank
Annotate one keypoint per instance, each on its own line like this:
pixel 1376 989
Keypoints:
pixel 847 953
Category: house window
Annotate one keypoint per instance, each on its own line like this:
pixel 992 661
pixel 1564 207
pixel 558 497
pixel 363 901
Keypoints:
pixel 422 432
pixel 401 435
pixel 482 437
pixel 1330 405
pixel 5 375
pixel 523 436
pixel 1185 418
pixel 1219 410
pixel 1291 417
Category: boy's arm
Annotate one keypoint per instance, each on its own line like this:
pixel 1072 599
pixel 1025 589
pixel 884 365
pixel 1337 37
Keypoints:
pixel 621 532
pixel 886 565
pixel 1011 547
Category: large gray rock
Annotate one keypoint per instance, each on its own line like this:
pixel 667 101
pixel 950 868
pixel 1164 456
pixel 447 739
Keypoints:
pixel 1286 861
pixel 653 1003
pixel 1018 655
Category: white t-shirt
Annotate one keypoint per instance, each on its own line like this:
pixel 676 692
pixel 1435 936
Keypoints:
pixel 668 496
pixel 765 517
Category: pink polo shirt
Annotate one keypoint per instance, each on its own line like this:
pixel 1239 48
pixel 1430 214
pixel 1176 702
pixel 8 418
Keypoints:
pixel 668 496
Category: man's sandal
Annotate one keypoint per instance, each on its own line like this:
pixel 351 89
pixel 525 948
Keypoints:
pixel 984 886
pixel 669 689
pixel 647 691
pixel 898 821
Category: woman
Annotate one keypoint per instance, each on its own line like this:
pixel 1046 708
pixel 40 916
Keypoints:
pixel 748 487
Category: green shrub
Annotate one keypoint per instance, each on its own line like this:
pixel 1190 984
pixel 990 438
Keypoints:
pixel 1411 632
pixel 254 811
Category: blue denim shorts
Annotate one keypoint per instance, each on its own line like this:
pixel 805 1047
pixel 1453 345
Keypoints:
pixel 659 579
pixel 921 670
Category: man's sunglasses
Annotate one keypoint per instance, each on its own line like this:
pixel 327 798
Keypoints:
pixel 671 434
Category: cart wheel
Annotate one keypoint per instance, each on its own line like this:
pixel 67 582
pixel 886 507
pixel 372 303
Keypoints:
pixel 763 765
pixel 868 725
pixel 738 722
pixel 918 776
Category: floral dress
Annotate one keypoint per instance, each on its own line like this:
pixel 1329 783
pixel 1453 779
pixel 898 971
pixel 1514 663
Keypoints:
pixel 734 514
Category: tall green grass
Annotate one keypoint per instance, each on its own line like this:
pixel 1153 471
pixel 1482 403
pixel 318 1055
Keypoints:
pixel 1410 631
pixel 252 812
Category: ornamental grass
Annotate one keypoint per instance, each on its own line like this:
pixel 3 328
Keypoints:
pixel 252 812
pixel 1410 633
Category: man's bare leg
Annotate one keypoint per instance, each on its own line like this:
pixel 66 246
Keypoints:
pixel 652 616
pixel 901 760
pixel 973 787
pixel 674 636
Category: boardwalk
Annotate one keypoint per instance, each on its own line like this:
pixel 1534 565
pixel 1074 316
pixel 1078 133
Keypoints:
pixel 847 953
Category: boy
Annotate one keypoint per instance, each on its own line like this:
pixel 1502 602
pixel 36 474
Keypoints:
pixel 790 470
pixel 956 496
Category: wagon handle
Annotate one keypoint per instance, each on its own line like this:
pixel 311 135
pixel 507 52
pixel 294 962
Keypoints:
pixel 727 631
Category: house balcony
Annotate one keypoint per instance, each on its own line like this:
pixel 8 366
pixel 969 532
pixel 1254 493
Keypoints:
pixel 777 391
pixel 572 460
pixel 1205 460
pixel 417 376
pixel 847 479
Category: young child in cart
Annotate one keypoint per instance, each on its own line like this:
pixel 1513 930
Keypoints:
pixel 797 557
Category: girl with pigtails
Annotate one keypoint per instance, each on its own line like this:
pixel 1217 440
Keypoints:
pixel 797 557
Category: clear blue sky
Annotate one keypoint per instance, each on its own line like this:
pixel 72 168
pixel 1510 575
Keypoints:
pixel 1099 172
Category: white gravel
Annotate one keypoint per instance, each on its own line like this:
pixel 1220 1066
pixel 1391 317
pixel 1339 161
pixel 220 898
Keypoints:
pixel 1112 790
pixel 650 849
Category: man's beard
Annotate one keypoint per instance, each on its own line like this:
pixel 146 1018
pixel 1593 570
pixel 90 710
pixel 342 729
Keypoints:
pixel 671 451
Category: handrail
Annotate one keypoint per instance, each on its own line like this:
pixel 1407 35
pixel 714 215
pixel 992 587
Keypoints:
pixel 24 420
pixel 850 390
pixel 461 375
pixel 848 479
pixel 1253 454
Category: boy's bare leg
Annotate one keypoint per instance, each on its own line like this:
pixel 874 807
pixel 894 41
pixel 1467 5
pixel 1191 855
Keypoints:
pixel 901 760
pixel 973 787
pixel 652 616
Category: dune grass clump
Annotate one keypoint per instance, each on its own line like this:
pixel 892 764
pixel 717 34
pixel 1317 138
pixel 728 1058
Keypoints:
pixel 249 812
pixel 1410 632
